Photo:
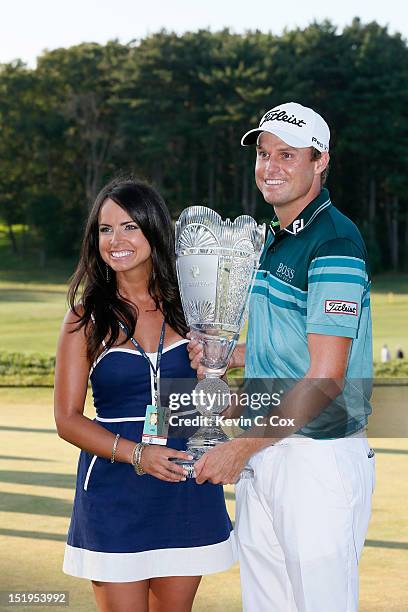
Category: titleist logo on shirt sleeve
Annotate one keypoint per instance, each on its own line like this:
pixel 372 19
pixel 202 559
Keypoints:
pixel 340 307
pixel 279 115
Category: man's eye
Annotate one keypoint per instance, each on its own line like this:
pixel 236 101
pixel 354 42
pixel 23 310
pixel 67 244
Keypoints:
pixel 262 154
pixel 287 155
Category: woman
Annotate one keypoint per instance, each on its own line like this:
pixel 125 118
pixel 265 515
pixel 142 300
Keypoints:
pixel 139 530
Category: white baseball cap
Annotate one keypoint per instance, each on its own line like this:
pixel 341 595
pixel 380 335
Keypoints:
pixel 297 125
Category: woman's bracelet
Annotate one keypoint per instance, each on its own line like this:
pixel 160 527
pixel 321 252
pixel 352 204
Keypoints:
pixel 136 456
pixel 114 447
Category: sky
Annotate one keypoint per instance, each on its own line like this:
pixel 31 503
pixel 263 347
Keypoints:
pixel 27 27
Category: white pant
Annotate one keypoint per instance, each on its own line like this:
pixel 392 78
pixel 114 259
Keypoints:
pixel 301 524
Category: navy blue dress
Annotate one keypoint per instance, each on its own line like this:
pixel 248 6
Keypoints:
pixel 126 527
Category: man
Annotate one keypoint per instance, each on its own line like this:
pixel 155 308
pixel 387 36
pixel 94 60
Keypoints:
pixel 385 354
pixel 301 521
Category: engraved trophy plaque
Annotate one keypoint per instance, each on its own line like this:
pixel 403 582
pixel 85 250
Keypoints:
pixel 216 266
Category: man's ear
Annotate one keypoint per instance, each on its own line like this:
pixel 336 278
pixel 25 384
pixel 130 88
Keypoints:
pixel 321 163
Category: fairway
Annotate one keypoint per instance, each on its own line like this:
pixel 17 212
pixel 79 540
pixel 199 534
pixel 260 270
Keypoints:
pixel 31 315
pixel 37 477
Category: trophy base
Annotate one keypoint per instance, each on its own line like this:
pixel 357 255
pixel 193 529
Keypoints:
pixel 197 451
pixel 197 447
pixel 188 466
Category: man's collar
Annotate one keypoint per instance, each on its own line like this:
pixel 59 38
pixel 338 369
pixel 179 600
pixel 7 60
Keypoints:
pixel 305 217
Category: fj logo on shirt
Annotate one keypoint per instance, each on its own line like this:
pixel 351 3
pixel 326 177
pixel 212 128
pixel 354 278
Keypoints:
pixel 284 272
pixel 298 225
pixel 340 307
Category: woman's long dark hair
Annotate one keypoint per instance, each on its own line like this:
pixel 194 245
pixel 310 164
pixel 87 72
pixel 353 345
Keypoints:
pixel 102 305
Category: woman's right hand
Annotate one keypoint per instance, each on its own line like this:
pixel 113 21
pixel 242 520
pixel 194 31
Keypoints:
pixel 155 461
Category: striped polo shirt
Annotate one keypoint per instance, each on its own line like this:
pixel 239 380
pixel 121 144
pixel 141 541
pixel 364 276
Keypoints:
pixel 313 278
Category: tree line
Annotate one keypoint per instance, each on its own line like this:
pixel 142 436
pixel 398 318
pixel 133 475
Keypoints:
pixel 172 109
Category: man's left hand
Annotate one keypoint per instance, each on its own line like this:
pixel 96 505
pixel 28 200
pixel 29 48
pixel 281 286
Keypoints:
pixel 224 463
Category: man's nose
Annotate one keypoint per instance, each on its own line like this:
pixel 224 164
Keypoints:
pixel 272 164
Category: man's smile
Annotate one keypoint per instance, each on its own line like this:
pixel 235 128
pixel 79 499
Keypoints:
pixel 274 182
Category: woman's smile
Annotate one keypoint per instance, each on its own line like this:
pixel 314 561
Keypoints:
pixel 121 254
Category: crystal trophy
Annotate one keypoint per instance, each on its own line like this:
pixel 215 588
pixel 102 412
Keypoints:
pixel 216 265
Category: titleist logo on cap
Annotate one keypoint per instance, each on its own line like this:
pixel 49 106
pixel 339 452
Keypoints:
pixel 296 125
pixel 280 115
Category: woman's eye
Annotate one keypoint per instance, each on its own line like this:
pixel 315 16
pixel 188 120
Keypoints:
pixel 131 226
pixel 104 230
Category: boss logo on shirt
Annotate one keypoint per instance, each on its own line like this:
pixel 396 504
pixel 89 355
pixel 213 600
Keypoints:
pixel 340 307
pixel 284 272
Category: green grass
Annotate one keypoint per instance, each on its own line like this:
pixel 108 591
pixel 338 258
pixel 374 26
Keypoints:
pixel 31 314
pixel 33 303
pixel 390 314
pixel 27 370
pixel 37 472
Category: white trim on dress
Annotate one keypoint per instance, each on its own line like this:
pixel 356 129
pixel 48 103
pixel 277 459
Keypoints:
pixel 88 474
pixel 134 352
pixel 119 420
pixel 129 567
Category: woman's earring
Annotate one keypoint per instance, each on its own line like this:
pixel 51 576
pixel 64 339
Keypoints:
pixel 107 273
pixel 154 277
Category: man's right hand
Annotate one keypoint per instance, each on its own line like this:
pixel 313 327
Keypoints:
pixel 195 352
pixel 238 357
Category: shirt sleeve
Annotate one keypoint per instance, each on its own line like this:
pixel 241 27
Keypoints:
pixel 337 286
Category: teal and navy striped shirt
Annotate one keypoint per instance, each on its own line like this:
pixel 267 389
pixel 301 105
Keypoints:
pixel 313 278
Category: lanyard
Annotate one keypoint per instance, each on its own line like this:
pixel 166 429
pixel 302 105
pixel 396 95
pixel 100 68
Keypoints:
pixel 155 370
